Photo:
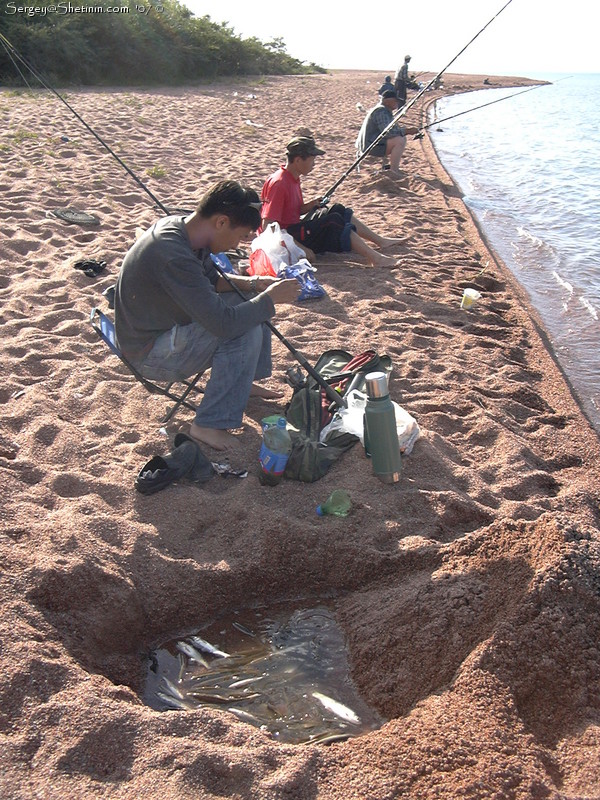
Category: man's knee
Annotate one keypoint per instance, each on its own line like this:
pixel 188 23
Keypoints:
pixel 396 144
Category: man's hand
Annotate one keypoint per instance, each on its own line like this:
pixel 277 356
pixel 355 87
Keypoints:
pixel 262 282
pixel 285 291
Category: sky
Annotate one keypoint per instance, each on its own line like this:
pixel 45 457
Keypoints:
pixel 528 36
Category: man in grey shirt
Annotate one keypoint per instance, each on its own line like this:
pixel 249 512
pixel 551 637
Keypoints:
pixel 377 120
pixel 175 315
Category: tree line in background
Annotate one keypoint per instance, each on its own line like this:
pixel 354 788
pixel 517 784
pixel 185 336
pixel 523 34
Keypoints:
pixel 124 42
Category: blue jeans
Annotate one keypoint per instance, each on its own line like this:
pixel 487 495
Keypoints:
pixel 235 363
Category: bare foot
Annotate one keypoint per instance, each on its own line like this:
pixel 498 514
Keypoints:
pixel 214 437
pixel 384 261
pixel 266 394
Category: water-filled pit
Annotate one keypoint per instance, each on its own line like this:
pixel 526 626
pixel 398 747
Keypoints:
pixel 283 670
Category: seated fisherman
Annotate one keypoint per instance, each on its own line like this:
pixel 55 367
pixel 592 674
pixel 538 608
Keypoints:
pixel 316 230
pixel 175 315
pixel 376 121
pixel 386 86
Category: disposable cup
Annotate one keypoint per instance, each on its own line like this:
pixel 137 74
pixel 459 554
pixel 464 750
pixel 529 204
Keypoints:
pixel 470 296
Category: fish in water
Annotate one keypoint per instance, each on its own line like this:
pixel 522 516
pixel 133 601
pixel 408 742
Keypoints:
pixel 243 629
pixel 207 647
pixel 339 709
pixel 245 716
pixel 188 650
pixel 245 682
pixel 173 690
pixel 175 702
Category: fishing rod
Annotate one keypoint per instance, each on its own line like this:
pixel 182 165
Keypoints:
pixel 333 396
pixel 491 103
pixel 12 50
pixel 402 111
pixel 468 111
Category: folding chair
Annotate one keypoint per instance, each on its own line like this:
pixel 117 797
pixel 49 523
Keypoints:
pixel 105 329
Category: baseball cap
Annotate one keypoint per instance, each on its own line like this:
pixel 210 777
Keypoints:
pixel 388 93
pixel 303 146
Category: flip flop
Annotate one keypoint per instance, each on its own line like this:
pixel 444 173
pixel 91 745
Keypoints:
pixel 73 215
pixel 201 470
pixel 90 266
pixel 160 471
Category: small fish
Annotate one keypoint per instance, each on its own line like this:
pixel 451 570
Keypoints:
pixel 191 652
pixel 174 702
pixel 329 738
pixel 222 699
pixel 207 647
pixel 173 690
pixel 360 107
pixel 245 682
pixel 339 709
pixel 242 629
pixel 244 716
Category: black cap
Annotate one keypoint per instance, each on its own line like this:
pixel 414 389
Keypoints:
pixel 303 146
pixel 389 93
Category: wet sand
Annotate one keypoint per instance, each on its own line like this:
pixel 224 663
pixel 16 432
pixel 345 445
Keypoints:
pixel 469 592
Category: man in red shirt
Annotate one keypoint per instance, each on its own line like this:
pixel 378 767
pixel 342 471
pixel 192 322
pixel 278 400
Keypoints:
pixel 316 229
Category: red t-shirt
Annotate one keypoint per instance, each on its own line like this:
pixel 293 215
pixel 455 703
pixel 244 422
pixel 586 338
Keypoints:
pixel 282 198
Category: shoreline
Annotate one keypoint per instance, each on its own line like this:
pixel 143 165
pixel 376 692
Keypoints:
pixel 518 288
pixel 468 592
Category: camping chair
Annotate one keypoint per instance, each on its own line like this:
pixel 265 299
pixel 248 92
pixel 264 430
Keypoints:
pixel 105 329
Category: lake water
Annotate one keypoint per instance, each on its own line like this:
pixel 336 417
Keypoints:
pixel 529 168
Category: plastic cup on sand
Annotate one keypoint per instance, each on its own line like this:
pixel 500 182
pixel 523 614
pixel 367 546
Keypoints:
pixel 470 296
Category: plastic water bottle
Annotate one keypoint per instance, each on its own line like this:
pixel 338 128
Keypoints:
pixel 381 433
pixel 337 504
pixel 275 451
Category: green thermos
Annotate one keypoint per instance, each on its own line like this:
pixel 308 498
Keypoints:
pixel 381 434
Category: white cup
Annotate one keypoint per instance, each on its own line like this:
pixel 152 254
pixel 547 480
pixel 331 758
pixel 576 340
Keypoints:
pixel 470 296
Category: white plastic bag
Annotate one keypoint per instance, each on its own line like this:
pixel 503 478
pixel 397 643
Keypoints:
pixel 275 248
pixel 351 420
pixel 408 430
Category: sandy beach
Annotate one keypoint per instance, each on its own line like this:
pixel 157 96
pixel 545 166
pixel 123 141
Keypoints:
pixel 469 593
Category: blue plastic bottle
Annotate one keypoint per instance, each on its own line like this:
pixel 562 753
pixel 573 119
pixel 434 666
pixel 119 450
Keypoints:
pixel 274 453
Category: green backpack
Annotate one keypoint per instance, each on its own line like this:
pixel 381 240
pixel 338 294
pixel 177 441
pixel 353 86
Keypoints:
pixel 310 410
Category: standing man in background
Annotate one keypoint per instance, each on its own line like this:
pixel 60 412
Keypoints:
pixel 401 82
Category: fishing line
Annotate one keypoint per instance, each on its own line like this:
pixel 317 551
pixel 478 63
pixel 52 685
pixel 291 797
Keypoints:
pixel 491 103
pixel 402 111
pixel 14 63
pixel 333 396
pixel 476 108
pixel 50 88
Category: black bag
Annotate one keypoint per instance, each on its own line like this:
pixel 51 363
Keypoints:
pixel 310 410
pixel 325 230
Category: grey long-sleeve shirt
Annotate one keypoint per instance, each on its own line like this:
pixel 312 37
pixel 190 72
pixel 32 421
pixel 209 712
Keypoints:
pixel 163 283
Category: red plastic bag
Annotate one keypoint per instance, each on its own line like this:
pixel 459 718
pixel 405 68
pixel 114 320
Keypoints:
pixel 260 264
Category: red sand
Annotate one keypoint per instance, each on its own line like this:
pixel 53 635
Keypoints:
pixel 470 592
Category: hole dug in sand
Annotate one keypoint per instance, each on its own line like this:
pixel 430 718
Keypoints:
pixel 283 670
